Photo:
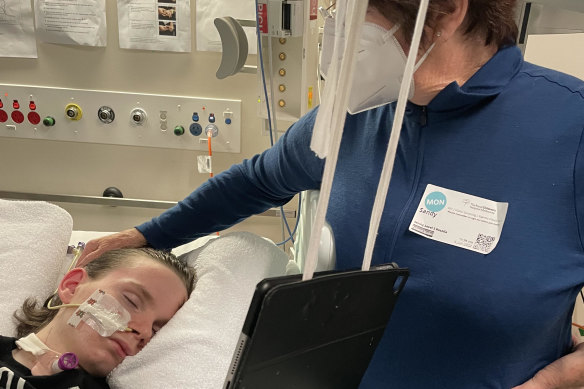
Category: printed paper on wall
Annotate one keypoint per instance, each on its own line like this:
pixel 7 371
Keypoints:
pixel 162 25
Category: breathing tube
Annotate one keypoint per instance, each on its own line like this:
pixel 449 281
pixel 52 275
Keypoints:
pixel 48 361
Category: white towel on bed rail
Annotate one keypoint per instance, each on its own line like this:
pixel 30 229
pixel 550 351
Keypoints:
pixel 34 237
pixel 195 348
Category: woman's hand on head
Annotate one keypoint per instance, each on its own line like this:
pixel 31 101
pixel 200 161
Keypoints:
pixel 131 238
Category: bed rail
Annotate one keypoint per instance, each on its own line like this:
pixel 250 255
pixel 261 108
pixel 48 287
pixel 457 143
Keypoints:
pixel 113 201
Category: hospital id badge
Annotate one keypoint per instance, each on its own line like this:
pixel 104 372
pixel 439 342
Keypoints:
pixel 459 219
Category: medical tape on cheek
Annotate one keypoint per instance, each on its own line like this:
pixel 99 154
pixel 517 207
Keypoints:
pixel 103 313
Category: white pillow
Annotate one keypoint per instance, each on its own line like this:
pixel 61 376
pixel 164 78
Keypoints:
pixel 33 245
pixel 195 348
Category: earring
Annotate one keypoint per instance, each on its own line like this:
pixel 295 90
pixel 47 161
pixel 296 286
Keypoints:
pixel 439 34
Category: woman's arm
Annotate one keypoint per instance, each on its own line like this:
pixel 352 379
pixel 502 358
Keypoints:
pixel 267 180
pixel 264 181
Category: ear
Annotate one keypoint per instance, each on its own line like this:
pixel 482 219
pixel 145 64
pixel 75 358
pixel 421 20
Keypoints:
pixel 70 282
pixel 449 23
pixel 374 16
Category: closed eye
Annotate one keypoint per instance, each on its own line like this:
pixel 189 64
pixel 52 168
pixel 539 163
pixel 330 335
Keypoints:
pixel 131 301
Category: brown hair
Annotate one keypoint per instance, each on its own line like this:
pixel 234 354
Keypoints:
pixel 32 318
pixel 492 21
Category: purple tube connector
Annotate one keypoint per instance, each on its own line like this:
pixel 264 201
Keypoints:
pixel 68 361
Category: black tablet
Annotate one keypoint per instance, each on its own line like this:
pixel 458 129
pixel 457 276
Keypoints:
pixel 315 334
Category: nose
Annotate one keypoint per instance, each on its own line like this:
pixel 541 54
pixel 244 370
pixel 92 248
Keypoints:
pixel 142 331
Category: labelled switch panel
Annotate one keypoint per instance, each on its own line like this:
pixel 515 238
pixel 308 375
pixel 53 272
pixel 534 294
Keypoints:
pixel 119 118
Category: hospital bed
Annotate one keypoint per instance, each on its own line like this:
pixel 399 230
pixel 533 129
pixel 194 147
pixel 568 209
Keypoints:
pixel 195 348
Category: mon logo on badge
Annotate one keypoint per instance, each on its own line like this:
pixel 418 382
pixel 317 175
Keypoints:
pixel 435 202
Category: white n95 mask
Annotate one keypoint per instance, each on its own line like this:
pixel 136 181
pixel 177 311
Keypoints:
pixel 379 69
pixel 328 44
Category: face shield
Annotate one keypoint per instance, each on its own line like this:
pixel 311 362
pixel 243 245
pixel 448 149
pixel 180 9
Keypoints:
pixel 339 88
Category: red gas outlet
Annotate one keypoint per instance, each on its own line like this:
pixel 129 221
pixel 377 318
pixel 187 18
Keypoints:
pixel 17 117
pixel 34 118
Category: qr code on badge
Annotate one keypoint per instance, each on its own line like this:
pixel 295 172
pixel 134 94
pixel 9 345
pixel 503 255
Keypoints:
pixel 484 242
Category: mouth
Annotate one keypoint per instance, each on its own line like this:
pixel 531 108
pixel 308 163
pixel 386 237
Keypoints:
pixel 121 348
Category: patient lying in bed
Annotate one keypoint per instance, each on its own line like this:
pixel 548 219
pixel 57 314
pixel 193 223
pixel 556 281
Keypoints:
pixel 193 350
pixel 99 315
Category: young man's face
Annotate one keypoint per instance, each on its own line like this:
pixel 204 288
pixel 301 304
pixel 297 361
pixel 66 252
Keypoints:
pixel 149 291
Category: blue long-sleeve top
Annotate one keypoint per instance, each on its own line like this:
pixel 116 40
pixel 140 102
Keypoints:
pixel 512 133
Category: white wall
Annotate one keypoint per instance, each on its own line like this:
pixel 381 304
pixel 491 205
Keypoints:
pixel 146 173
pixel 562 52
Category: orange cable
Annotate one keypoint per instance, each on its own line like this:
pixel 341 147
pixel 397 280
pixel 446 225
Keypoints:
pixel 210 155
pixel 210 150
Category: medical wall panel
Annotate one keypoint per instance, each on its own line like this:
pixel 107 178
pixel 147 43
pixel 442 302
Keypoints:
pixel 120 118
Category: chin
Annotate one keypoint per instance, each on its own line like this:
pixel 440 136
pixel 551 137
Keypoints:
pixel 99 365
pixel 99 368
pixel 98 371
